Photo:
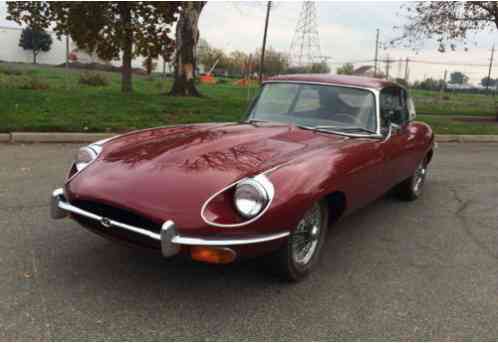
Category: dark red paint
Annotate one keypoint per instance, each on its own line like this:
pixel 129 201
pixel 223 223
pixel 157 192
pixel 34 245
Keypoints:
pixel 168 173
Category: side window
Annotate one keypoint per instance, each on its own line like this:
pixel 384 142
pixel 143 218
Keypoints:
pixel 405 113
pixel 393 103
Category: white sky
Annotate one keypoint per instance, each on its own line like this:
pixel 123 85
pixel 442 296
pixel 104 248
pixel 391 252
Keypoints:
pixel 347 32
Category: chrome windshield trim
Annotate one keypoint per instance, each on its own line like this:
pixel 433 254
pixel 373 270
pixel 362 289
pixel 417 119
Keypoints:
pixel 375 91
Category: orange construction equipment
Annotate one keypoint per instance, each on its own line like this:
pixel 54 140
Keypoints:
pixel 208 79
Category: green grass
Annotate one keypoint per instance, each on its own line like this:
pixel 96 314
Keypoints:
pixel 449 125
pixel 97 109
pixel 432 103
pixel 70 107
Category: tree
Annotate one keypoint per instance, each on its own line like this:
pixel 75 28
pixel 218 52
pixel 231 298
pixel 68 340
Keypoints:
pixel 314 68
pixel 275 62
pixel 111 29
pixel 187 36
pixel 487 82
pixel 239 63
pixel 431 84
pixel 149 65
pixel 36 41
pixel 346 69
pixel 210 56
pixel 36 16
pixel 401 81
pixel 320 68
pixel 447 21
pixel 458 77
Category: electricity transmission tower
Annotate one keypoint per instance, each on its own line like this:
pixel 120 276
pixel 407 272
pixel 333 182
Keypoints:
pixel 305 46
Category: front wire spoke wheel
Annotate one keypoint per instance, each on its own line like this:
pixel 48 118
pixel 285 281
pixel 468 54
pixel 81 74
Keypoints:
pixel 298 256
pixel 419 177
pixel 305 238
pixel 411 188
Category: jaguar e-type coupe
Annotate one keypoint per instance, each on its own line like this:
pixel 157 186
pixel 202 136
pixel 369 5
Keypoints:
pixel 311 149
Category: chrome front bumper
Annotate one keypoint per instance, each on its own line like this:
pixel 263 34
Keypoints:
pixel 169 238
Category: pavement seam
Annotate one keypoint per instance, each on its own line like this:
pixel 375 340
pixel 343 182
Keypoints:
pixel 459 213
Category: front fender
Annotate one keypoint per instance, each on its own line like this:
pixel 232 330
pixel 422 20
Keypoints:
pixel 298 185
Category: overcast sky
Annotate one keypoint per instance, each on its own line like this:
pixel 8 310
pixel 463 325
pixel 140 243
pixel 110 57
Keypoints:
pixel 346 29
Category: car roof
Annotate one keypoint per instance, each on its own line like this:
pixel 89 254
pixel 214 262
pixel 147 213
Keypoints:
pixel 346 80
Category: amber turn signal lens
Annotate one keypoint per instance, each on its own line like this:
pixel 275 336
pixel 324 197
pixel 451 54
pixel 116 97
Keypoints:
pixel 213 255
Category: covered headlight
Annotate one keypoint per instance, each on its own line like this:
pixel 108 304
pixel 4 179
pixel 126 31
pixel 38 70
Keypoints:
pixel 252 196
pixel 86 155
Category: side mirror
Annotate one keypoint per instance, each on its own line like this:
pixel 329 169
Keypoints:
pixel 391 130
pixel 412 114
pixel 392 115
pixel 388 115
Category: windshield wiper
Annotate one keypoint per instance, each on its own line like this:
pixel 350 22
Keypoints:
pixel 254 121
pixel 344 128
pixel 333 130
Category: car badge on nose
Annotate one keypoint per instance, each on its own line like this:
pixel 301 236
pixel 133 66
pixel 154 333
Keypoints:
pixel 105 222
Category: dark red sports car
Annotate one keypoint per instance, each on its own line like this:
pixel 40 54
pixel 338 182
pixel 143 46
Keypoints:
pixel 312 149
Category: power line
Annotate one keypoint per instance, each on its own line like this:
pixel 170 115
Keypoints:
pixel 376 52
pixel 450 63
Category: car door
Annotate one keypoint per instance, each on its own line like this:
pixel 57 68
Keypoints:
pixel 399 144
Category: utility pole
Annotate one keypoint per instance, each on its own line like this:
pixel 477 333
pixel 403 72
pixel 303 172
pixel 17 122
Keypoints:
pixel 261 65
pixel 441 91
pixel 67 61
pixel 388 65
pixel 376 56
pixel 406 70
pixel 490 67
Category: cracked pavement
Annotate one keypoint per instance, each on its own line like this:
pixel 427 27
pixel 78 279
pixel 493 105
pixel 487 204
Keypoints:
pixel 391 271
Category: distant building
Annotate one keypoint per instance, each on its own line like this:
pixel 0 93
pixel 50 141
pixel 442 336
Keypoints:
pixel 10 51
pixel 465 87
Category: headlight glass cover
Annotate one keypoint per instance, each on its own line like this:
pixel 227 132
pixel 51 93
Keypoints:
pixel 250 198
pixel 86 155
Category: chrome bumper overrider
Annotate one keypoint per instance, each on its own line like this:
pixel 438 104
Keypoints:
pixel 169 238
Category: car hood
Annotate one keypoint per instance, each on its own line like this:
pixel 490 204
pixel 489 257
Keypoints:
pixel 170 172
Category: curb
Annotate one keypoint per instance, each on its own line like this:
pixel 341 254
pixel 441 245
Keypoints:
pixel 48 137
pixel 79 137
pixel 5 137
pixel 467 138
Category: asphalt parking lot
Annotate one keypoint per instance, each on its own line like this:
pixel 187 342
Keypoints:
pixel 394 270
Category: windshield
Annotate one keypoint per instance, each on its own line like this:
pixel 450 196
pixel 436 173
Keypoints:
pixel 316 106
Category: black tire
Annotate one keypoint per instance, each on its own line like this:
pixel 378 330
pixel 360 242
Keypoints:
pixel 411 188
pixel 285 261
